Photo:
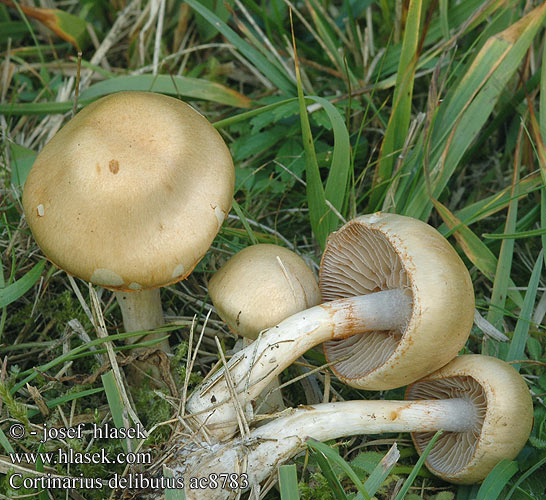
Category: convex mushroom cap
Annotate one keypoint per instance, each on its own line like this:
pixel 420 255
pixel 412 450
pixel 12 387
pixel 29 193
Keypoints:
pixel 130 193
pixel 382 251
pixel 260 286
pixel 502 424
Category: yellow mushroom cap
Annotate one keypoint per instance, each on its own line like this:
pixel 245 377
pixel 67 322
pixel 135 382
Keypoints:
pixel 130 193
pixel 504 417
pixel 260 286
pixel 384 251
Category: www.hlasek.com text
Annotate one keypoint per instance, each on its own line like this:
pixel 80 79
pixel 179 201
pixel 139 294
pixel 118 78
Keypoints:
pixel 71 456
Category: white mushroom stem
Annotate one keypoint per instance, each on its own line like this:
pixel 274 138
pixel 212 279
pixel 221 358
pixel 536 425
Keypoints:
pixel 277 441
pixel 141 311
pixel 253 368
pixel 270 400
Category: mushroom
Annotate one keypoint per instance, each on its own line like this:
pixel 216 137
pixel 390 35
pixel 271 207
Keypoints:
pixel 481 402
pixel 129 195
pixel 398 280
pixel 502 417
pixel 260 286
pixel 256 289
pixel 385 251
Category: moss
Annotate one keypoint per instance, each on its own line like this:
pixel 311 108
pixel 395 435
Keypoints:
pixel 19 317
pixel 63 308
pixel 178 367
pixel 15 409
pixel 316 488
pixel 152 409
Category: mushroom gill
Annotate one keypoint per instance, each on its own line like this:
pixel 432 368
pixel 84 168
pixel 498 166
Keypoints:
pixel 360 260
pixel 453 450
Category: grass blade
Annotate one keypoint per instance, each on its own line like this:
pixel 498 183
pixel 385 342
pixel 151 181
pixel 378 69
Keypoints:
pixel 332 456
pixel 318 209
pixel 524 476
pixel 246 225
pixel 490 205
pixel 267 67
pixel 323 219
pixel 69 27
pixel 543 216
pixel 381 471
pixel 172 494
pixel 519 340
pixel 475 249
pixel 288 482
pixel 466 109
pixel 541 141
pixel 336 184
pixel 400 117
pixel 65 25
pixel 13 30
pixel 459 16
pixel 496 480
pixel 328 41
pixel 542 113
pixel 22 160
pixel 52 403
pixel 335 486
pixel 115 402
pixel 467 492
pixel 444 22
pixel 409 481
pixel 196 88
pixel 504 264
pixel 523 234
pixel 39 108
pixel 42 495
pixel 247 115
pixel 4 441
pixel 17 289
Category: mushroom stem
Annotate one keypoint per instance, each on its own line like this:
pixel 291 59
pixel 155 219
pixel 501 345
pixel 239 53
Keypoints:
pixel 270 400
pixel 277 441
pixel 253 368
pixel 370 417
pixel 142 311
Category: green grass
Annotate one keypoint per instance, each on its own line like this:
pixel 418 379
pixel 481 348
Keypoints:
pixel 435 110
